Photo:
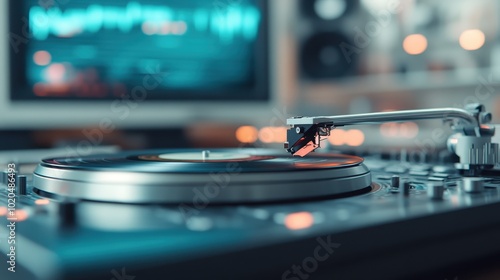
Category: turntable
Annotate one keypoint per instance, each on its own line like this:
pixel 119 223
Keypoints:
pixel 257 213
pixel 251 175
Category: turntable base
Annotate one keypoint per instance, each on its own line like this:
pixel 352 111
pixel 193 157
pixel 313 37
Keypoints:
pixel 384 232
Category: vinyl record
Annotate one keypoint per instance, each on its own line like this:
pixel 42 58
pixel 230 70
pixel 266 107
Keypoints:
pixel 185 176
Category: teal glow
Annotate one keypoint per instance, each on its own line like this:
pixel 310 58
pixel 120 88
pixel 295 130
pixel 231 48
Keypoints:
pixel 226 24
pixel 85 52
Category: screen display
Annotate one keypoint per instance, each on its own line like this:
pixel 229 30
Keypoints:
pixel 190 49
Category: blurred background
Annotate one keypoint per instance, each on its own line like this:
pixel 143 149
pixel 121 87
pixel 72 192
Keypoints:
pixel 133 74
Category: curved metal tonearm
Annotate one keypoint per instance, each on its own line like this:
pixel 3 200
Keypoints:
pixel 474 147
pixel 407 115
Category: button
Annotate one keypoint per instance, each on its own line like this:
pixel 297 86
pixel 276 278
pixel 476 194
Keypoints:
pixel 5 177
pixel 395 181
pixel 67 212
pixel 435 190
pixel 472 184
pixel 406 189
pixel 21 185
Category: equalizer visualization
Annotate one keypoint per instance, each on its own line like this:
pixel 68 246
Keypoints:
pixel 99 49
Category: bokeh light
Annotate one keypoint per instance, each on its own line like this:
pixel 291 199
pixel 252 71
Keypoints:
pixel 272 134
pixel 19 215
pixel 266 135
pixel 415 44
pixel 246 134
pixel 399 130
pixel 3 211
pixel 330 9
pixel 55 73
pixel 352 137
pixel 408 130
pixel 42 201
pixel 472 39
pixel 389 129
pixel 299 220
pixel 355 137
pixel 337 137
pixel 42 58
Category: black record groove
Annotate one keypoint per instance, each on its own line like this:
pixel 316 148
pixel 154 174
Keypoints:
pixel 182 176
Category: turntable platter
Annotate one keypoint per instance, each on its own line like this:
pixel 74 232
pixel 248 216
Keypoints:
pixel 188 176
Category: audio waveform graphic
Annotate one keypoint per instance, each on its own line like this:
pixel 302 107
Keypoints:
pixel 227 24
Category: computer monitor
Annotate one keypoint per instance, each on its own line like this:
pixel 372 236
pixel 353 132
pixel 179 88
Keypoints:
pixel 136 63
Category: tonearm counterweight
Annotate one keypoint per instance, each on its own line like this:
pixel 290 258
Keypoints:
pixel 471 142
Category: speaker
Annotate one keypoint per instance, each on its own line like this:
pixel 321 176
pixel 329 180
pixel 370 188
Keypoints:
pixel 322 35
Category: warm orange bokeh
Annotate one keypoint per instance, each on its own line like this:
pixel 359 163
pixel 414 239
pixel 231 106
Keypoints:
pixel 352 137
pixel 299 220
pixel 42 201
pixel 246 134
pixel 3 211
pixel 472 39
pixel 42 58
pixel 415 44
pixel 19 215
pixel 355 137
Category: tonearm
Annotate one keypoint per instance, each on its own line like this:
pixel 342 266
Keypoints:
pixel 471 141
